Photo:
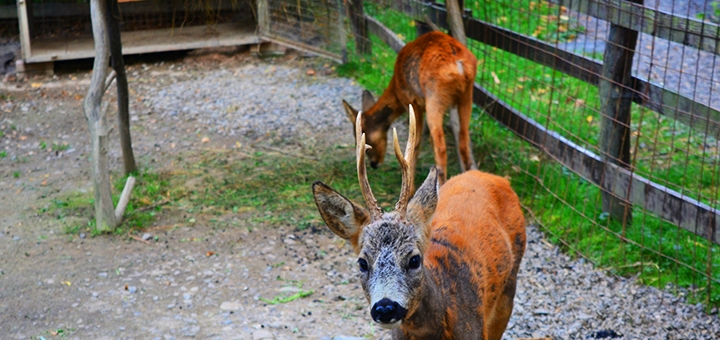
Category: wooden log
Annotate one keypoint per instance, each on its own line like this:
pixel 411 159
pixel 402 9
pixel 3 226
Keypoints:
pixel 615 89
pixel 118 65
pixel 124 198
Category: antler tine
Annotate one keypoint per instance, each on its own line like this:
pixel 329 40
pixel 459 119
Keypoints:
pixel 360 148
pixel 407 163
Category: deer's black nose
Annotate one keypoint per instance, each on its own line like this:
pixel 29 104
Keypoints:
pixel 374 165
pixel 387 311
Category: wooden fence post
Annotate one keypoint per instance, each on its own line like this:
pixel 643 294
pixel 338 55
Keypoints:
pixel 616 95
pixel 455 19
pixel 359 26
pixel 263 17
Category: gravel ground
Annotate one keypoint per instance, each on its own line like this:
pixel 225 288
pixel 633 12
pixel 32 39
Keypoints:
pixel 256 100
pixel 202 281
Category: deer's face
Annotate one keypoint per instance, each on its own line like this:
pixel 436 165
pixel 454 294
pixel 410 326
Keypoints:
pixel 377 139
pixel 390 266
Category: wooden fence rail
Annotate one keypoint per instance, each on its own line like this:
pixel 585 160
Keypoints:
pixel 686 212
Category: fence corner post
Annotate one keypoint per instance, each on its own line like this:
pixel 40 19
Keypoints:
pixel 359 26
pixel 263 17
pixel 616 93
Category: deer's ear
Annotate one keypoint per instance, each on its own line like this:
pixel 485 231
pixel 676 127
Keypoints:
pixel 422 206
pixel 350 112
pixel 367 101
pixel 344 218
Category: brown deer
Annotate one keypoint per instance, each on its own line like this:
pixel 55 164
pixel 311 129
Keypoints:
pixel 434 73
pixel 442 265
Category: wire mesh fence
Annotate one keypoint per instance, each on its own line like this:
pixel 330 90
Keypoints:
pixel 613 109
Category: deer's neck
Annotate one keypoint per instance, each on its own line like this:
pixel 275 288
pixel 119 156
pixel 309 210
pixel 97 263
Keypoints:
pixel 426 321
pixel 385 111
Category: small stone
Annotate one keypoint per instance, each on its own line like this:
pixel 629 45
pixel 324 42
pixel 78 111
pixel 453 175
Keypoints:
pixel 262 334
pixel 82 235
pixel 146 236
pixel 16 238
pixel 227 305
pixel 94 294
pixel 132 289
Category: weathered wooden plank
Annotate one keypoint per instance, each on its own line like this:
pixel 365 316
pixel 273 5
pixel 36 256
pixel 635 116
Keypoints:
pixel 686 212
pixel 691 32
pixel 385 34
pixel 655 97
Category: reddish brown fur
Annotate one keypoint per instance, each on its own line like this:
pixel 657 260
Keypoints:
pixel 479 228
pixel 427 76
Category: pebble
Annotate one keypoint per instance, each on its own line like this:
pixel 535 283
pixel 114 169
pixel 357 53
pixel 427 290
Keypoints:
pixel 146 236
pixel 227 305
pixel 262 334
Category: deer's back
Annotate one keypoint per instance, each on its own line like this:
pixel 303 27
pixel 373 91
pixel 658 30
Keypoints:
pixel 477 242
pixel 434 62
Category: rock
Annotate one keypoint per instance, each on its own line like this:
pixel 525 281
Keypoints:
pixel 146 236
pixel 227 305
pixel 16 238
pixel 262 334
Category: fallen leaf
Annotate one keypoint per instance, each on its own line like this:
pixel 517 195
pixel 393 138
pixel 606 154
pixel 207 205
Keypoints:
pixel 495 78
pixel 126 286
pixel 238 145
pixel 23 138
pixel 67 283
pixel 210 253
pixel 35 85
pixel 589 119
pixel 205 140
pixel 310 72
pixel 534 158
pixel 44 183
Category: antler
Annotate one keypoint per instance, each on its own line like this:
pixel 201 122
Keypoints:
pixel 360 148
pixel 406 163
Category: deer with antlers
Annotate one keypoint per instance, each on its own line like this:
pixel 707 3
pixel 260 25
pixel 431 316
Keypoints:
pixel 444 263
pixel 434 73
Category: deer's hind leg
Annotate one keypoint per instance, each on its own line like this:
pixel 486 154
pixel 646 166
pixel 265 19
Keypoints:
pixel 461 130
pixel 435 111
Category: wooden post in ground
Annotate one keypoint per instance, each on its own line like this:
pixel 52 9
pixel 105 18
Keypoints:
pixel 106 217
pixel 118 64
pixel 615 90
pixel 455 20
pixel 263 17
pixel 359 26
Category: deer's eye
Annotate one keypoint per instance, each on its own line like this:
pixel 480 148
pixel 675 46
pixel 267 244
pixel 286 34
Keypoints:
pixel 363 265
pixel 415 262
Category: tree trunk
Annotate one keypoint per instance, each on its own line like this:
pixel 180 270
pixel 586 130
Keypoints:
pixel 118 64
pixel 457 28
pixel 97 122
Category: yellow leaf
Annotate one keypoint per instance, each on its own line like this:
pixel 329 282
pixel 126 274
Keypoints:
pixel 412 23
pixel 495 78
pixel 35 85
pixel 589 119
pixel 67 283
pixel 238 145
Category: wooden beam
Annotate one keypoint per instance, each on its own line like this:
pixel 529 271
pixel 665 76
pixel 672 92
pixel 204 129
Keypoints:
pixel 692 32
pixel 668 204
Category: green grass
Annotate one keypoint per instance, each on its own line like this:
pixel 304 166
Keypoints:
pixel 568 207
